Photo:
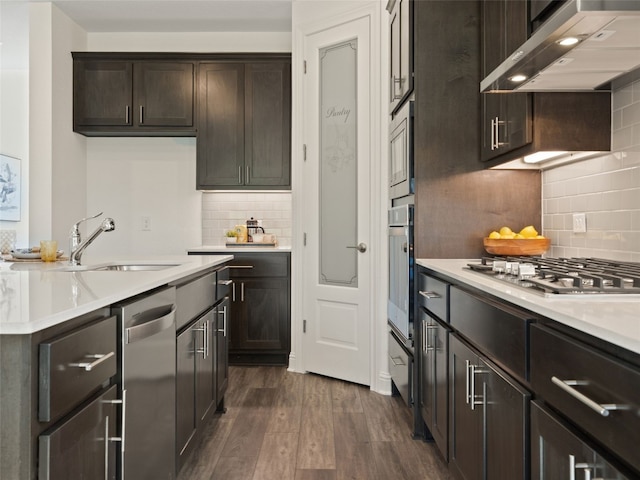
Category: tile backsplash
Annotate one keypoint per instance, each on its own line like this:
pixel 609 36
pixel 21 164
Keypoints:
pixel 221 211
pixel 606 189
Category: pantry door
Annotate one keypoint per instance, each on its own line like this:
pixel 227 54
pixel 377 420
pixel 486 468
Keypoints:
pixel 336 194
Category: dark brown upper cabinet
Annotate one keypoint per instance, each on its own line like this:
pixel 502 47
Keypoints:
pixel 114 95
pixel 401 52
pixel 244 124
pixel 518 124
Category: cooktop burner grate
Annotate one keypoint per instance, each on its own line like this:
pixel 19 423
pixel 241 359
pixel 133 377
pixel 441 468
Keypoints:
pixel 555 276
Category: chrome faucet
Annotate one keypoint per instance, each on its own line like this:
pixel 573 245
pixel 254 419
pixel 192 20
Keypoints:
pixel 77 246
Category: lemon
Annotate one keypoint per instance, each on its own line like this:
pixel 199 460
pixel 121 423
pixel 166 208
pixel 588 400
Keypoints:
pixel 529 232
pixel 539 236
pixel 505 231
pixel 519 236
pixel 494 234
pixel 508 236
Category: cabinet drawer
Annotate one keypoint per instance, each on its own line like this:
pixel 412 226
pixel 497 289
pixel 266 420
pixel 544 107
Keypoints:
pixel 585 385
pixel 497 330
pixel 400 368
pixel 195 297
pixel 260 265
pixel 74 365
pixel 433 295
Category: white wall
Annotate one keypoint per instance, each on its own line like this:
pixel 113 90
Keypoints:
pixel 129 178
pixel 606 189
pixel 14 102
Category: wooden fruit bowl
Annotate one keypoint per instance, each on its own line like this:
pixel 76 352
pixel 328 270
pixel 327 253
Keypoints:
pixel 516 247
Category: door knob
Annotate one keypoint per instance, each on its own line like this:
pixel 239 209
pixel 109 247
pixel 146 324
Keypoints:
pixel 361 247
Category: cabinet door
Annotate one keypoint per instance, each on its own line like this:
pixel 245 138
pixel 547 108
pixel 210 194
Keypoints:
pixel 185 389
pixel 164 94
pixel 465 453
pixel 506 123
pixel 434 368
pixel 205 358
pixel 401 52
pixel 102 93
pixel 506 408
pixel 263 320
pixel 556 452
pixel 81 446
pixel 220 143
pixel 222 350
pixel 268 124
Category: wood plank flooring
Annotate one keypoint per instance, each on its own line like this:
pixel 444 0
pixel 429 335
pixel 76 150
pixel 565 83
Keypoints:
pixel 287 426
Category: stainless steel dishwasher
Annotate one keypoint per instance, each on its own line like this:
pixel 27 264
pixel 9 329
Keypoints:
pixel 147 359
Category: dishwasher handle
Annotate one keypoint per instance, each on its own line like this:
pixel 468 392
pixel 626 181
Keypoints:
pixel 151 322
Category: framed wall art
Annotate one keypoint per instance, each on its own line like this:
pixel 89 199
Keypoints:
pixel 10 191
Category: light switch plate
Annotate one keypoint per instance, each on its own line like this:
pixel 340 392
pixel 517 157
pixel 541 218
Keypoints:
pixel 579 223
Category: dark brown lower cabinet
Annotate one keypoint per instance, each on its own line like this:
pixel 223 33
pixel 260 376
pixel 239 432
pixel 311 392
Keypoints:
pixel 260 317
pixel 558 452
pixel 434 396
pixel 488 415
pixel 82 446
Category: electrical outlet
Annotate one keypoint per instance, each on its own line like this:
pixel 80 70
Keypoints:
pixel 145 223
pixel 579 223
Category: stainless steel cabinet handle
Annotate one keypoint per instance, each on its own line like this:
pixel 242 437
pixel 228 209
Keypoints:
pixel 246 267
pixel 226 283
pixel 493 133
pixel 126 115
pixel 106 448
pixel 429 295
pixel 397 82
pixel 586 467
pixel 393 360
pixel 428 328
pixel 99 358
pixel 247 178
pixel 602 409
pixel 467 365
pixel 233 292
pixel 121 438
pixel 240 175
pixel 242 292
pixel 205 340
pixel 497 134
pixel 361 247
pixel 224 321
pixel 141 116
pixel 472 386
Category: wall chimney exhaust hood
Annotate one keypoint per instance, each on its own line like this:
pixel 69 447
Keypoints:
pixel 606 36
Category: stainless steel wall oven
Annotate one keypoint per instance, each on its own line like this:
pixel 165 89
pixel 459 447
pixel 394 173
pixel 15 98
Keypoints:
pixel 401 182
pixel 400 300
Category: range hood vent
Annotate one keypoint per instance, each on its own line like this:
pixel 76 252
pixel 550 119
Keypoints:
pixel 608 46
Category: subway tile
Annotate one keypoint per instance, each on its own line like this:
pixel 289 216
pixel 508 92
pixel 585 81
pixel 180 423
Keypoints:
pixel 631 115
pixel 623 97
pixel 623 138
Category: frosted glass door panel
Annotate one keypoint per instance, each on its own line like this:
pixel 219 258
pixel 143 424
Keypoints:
pixel 338 165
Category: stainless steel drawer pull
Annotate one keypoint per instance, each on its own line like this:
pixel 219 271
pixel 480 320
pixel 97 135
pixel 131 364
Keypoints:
pixel 393 360
pixel 430 294
pixel 602 409
pixel 226 283
pixel 99 358
pixel 241 266
pixel 141 116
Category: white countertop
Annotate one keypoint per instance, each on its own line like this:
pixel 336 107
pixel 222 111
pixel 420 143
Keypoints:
pixel 235 249
pixel 613 318
pixel 35 296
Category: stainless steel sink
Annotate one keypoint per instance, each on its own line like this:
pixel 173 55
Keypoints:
pixel 118 267
pixel 135 267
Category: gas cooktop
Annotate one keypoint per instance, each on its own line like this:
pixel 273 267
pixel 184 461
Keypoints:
pixel 563 276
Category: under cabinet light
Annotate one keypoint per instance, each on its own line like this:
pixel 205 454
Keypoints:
pixel 568 41
pixel 518 78
pixel 542 156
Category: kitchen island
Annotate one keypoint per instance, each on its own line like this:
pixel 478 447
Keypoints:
pixel 77 343
pixel 35 296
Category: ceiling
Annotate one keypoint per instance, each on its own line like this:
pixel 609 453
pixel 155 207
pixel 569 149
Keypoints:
pixel 178 15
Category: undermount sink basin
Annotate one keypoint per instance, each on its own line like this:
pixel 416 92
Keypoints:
pixel 118 267
pixel 135 267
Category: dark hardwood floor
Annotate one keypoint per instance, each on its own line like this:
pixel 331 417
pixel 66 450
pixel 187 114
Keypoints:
pixel 287 426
